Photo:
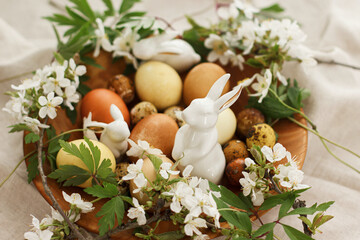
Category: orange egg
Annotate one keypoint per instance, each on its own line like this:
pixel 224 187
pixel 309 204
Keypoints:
pixel 98 102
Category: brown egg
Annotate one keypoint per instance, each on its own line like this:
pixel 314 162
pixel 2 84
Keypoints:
pixel 171 112
pixel 234 171
pixel 121 171
pixel 149 172
pixel 141 110
pixel 200 79
pixel 247 118
pixel 235 149
pixel 158 130
pixel 261 134
pixel 123 86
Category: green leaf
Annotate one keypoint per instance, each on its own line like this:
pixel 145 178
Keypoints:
pixel 264 229
pixel 285 206
pixel 84 8
pixel 295 234
pixel 72 175
pixel 173 235
pixel 83 89
pixel 254 63
pixel 270 107
pixel 324 219
pixel 61 20
pixel 95 151
pixel 110 7
pixel 32 167
pixel 71 114
pixel 59 58
pixel 107 191
pixel 126 5
pixel 111 209
pixel 270 236
pixel 76 17
pixel 19 127
pixel 52 160
pixel 273 8
pixel 294 96
pixel 105 173
pixel 156 161
pixel 305 220
pixel 304 210
pixel 229 197
pixel 31 138
pixel 194 38
pixel 324 206
pixel 239 219
pixel 272 201
pixel 90 61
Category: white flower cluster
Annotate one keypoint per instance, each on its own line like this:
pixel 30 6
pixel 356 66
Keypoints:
pixel 288 176
pixel 45 229
pixel 193 195
pixel 40 95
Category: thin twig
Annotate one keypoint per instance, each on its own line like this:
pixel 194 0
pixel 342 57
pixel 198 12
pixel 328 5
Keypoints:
pixel 49 193
pixel 298 204
pixel 338 63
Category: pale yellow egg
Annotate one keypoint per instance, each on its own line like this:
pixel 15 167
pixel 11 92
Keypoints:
pixel 226 126
pixel 64 158
pixel 158 83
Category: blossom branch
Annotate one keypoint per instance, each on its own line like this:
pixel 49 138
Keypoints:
pixel 338 63
pixel 49 193
pixel 299 203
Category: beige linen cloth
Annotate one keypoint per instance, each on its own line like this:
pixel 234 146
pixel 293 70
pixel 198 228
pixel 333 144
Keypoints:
pixel 333 29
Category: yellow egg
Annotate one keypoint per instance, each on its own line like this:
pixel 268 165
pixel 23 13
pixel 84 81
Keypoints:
pixel 64 158
pixel 200 79
pixel 226 126
pixel 149 172
pixel 158 83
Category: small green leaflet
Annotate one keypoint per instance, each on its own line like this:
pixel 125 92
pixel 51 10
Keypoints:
pixel 19 127
pixel 72 175
pixel 31 138
pixel 295 234
pixel 156 161
pixel 273 8
pixel 111 209
pixel 268 227
pixel 107 191
pixel 84 7
pixel 286 205
pixel 126 5
pixel 32 167
pixel 229 197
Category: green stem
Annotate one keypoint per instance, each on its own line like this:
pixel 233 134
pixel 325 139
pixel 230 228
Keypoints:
pixel 293 109
pixel 67 132
pixel 325 145
pixel 95 200
pixel 16 167
pixel 324 138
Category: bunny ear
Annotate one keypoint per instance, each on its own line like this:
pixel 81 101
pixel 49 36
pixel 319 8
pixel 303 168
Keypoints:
pixel 116 113
pixel 228 99
pixel 217 88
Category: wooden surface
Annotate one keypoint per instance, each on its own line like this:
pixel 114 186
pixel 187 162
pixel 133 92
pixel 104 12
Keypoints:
pixel 291 136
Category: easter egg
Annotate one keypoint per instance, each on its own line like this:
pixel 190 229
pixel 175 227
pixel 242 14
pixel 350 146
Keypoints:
pixel 158 83
pixel 64 158
pixel 247 118
pixel 200 79
pixel 234 171
pixel 98 102
pixel 158 130
pixel 150 174
pixel 235 149
pixel 141 110
pixel 261 135
pixel 226 125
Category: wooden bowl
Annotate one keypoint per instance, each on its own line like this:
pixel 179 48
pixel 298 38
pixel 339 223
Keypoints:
pixel 291 136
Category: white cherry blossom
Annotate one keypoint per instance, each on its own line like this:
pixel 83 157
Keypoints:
pixel 262 85
pixel 247 34
pixel 219 46
pixel 141 148
pixel 187 171
pixel 75 199
pixel 34 124
pixel 137 212
pixel 49 104
pixel 249 187
pixel 102 40
pixel 135 172
pixel 39 235
pixel 76 71
pixel 192 225
pixel 165 170
pixel 71 96
pixel 227 12
pixel 276 154
pixel 55 84
pixel 27 84
pixel 247 7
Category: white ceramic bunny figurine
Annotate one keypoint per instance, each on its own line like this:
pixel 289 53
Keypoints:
pixel 176 52
pixel 114 135
pixel 196 142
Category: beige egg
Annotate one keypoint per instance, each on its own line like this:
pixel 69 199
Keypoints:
pixel 159 84
pixel 173 112
pixel 149 172
pixel 200 79
pixel 226 126
pixel 64 158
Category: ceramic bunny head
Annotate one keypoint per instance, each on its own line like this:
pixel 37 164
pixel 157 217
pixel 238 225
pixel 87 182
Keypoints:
pixel 196 142
pixel 114 135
